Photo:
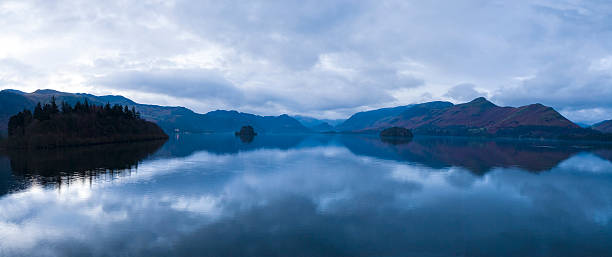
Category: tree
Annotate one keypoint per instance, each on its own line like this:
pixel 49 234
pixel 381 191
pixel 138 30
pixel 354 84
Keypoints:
pixel 66 108
pixel 18 123
pixel 78 125
pixel 86 106
pixel 53 108
pixel 38 112
pixel 78 107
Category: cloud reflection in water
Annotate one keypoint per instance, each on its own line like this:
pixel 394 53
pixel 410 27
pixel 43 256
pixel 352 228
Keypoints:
pixel 315 199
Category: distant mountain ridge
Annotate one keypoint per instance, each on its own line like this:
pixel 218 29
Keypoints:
pixel 479 117
pixel 168 118
pixel 316 124
pixel 604 126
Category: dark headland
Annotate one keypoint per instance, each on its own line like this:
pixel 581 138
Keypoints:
pixel 50 125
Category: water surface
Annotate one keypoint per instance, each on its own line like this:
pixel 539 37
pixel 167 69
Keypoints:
pixel 308 195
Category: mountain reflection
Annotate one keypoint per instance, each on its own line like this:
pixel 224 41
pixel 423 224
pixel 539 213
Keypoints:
pixel 19 169
pixel 396 140
pixel 227 143
pixel 54 167
pixel 604 153
pixel 478 156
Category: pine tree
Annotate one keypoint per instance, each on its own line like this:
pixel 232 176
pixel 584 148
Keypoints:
pixel 66 108
pixel 78 107
pixel 53 108
pixel 38 112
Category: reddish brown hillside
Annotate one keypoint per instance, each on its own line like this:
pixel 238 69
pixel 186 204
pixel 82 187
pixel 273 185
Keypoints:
pixel 604 126
pixel 481 117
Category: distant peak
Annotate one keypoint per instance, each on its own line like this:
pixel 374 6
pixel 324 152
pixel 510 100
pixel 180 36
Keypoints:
pixel 223 112
pixel 538 106
pixel 12 91
pixel 46 91
pixel 481 101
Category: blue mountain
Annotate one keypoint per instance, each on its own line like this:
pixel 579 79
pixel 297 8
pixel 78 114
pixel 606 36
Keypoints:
pixel 169 118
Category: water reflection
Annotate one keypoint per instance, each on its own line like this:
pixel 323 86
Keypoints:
pixel 478 156
pixel 395 140
pixel 246 138
pixel 54 167
pixel 326 196
pixel 604 153
pixel 228 143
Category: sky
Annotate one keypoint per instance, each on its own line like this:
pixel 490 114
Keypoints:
pixel 326 59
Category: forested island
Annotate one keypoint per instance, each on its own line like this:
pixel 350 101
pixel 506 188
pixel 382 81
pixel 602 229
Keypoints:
pixel 50 125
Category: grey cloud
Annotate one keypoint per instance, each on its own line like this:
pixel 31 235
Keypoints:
pixel 464 92
pixel 293 33
pixel 270 50
pixel 567 86
pixel 332 92
pixel 182 83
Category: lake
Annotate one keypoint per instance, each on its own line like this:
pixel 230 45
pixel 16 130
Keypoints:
pixel 308 195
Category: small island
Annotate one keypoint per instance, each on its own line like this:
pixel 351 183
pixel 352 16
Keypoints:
pixel 246 131
pixel 246 134
pixel 396 135
pixel 50 126
pixel 397 132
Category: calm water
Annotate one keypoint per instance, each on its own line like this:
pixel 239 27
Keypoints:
pixel 317 195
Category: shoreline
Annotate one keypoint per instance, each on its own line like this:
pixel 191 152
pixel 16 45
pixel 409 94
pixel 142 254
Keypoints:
pixel 3 144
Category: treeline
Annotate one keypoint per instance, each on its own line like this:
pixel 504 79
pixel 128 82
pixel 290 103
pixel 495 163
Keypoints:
pixel 20 121
pixel 52 125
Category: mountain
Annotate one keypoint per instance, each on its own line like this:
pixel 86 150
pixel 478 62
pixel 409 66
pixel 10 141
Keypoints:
pixel 364 120
pixel 311 122
pixel 604 126
pixel 480 117
pixel 318 125
pixel 167 117
pixel 323 127
pixel 230 121
pixel 415 113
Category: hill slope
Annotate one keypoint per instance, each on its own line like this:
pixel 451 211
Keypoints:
pixel 364 120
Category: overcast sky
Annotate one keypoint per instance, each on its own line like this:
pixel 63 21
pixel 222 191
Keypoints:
pixel 319 58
